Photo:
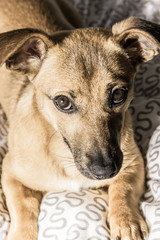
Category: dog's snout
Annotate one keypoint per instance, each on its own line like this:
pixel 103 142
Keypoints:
pixel 105 167
pixel 102 172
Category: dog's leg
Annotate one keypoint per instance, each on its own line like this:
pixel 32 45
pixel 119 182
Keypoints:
pixel 125 218
pixel 23 205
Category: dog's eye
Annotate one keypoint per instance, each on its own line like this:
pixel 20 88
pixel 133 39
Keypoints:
pixel 64 104
pixel 118 96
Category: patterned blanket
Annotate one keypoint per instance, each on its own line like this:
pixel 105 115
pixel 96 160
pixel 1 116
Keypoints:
pixel 82 215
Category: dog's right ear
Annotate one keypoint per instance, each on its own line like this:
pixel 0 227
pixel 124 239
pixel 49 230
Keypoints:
pixel 24 50
pixel 139 38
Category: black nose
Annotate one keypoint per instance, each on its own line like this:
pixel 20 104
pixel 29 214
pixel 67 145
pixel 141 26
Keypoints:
pixel 104 168
pixel 103 172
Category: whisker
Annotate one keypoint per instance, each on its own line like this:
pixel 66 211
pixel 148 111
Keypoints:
pixel 51 137
pixel 69 163
pixel 67 167
pixel 69 158
pixel 78 175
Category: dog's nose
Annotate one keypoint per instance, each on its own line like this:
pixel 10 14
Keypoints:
pixel 104 168
pixel 103 172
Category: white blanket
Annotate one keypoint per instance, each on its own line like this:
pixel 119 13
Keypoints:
pixel 151 204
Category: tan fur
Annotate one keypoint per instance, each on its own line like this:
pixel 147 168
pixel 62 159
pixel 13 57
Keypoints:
pixel 51 150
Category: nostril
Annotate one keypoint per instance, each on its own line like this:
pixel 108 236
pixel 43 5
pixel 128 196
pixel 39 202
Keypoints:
pixel 104 168
pixel 103 172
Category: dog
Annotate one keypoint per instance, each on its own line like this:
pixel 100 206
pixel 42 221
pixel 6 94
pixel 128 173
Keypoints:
pixel 66 92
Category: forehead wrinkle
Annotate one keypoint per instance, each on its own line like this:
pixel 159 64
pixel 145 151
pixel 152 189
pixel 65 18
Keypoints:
pixel 85 54
pixel 120 69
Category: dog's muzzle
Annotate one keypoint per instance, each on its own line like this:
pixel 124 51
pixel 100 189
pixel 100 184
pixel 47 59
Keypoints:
pixel 105 167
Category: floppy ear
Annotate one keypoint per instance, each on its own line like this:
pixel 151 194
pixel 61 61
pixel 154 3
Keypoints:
pixel 24 50
pixel 139 38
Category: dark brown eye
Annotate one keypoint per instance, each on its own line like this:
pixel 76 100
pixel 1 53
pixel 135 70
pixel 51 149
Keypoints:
pixel 119 96
pixel 64 104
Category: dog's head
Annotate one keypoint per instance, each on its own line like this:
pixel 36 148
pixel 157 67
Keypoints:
pixel 83 83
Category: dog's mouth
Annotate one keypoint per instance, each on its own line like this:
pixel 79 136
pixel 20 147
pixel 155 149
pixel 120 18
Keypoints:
pixel 98 167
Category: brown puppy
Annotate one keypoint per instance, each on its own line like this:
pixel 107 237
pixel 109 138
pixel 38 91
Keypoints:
pixel 66 95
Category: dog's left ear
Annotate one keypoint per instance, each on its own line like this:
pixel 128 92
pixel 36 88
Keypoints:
pixel 139 38
pixel 23 50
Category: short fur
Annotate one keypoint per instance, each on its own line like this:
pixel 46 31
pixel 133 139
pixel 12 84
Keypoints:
pixel 91 145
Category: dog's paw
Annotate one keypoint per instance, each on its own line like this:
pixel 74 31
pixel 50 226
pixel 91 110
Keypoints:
pixel 128 227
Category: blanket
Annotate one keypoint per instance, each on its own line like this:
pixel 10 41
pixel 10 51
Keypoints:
pixel 82 215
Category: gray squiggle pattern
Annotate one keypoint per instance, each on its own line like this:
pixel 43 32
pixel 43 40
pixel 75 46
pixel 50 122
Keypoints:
pixel 72 216
pixel 151 204
pixel 4 218
pixel 83 215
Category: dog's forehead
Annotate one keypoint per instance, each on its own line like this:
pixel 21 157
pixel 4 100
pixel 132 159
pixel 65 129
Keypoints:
pixel 86 59
pixel 90 50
